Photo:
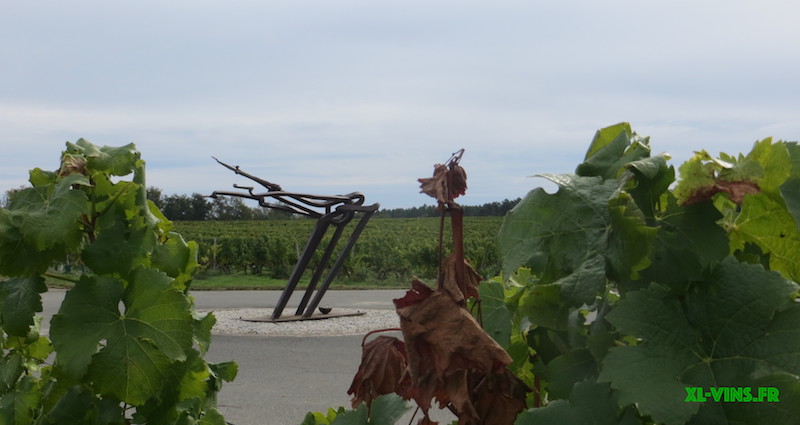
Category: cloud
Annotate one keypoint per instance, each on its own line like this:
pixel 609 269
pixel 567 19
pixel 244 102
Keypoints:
pixel 357 95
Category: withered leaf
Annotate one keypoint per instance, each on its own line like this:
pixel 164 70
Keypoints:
pixel 498 397
pixel 443 341
pixel 383 363
pixel 447 183
pixel 471 280
pixel 736 191
pixel 456 181
pixel 436 186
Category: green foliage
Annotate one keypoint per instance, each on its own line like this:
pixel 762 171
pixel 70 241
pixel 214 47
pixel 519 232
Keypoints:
pixel 388 251
pixel 620 290
pixel 128 343
pixel 385 409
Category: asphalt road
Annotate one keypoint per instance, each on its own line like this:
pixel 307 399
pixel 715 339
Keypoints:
pixel 281 378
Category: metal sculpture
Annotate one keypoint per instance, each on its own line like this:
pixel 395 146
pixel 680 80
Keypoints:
pixel 337 211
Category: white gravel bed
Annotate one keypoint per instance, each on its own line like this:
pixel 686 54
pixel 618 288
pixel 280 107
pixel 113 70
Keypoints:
pixel 229 322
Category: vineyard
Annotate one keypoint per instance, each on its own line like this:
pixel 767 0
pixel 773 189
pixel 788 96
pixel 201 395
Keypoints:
pixel 390 249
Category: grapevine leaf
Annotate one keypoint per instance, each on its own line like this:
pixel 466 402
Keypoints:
pixel 737 327
pixel 212 416
pixel 186 383
pixel 202 331
pixel 383 364
pixel 696 174
pixel 652 179
pixel 767 223
pixel 39 226
pixel 496 316
pixel 689 241
pixel 11 368
pixel 74 407
pixel 157 311
pixel 589 403
pixel 606 136
pixel 20 405
pixel 790 191
pixel 563 372
pixel 630 241
pixel 87 315
pixel 20 300
pixel 129 368
pixel 387 409
pixel 176 258
pixel 552 233
pixel 352 417
pixel 443 341
pixel 768 165
pixel 119 247
pixel 155 330
pixel 612 148
pixel 498 397
pixel 118 161
pixel 225 371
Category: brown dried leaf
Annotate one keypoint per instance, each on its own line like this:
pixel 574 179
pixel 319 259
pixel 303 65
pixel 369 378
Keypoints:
pixel 498 397
pixel 447 183
pixel 383 363
pixel 472 280
pixel 71 164
pixel 443 341
pixel 736 191
pixel 456 181
pixel 436 186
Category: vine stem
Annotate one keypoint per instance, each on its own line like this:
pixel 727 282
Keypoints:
pixel 364 340
pixel 457 223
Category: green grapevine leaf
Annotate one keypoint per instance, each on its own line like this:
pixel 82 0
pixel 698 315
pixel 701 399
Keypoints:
pixel 155 329
pixel 612 148
pixel 689 241
pixel 11 368
pixel 790 192
pixel 19 301
pixel 202 331
pixel 652 178
pixel 21 405
pixel 117 161
pixel 630 241
pixel 589 403
pixel 730 331
pixel 563 372
pixel 40 226
pixel 552 233
pixel 85 317
pixel 496 316
pixel 176 258
pixel 130 368
pixel 119 247
pixel 767 223
pixel 212 416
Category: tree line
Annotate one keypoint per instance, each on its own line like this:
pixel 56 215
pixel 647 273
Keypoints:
pixel 199 207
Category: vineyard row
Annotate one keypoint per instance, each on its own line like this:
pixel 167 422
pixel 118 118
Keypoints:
pixel 388 249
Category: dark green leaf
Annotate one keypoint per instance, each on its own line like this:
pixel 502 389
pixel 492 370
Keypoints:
pixel 589 403
pixel 496 316
pixel 552 233
pixel 739 326
pixel 20 300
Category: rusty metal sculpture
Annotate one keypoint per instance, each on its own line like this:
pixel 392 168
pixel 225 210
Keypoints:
pixel 337 211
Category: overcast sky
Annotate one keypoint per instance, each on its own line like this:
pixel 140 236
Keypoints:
pixel 333 96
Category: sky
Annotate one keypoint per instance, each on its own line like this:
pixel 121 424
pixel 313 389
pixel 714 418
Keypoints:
pixel 336 96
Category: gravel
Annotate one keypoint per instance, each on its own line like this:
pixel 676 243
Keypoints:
pixel 231 322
